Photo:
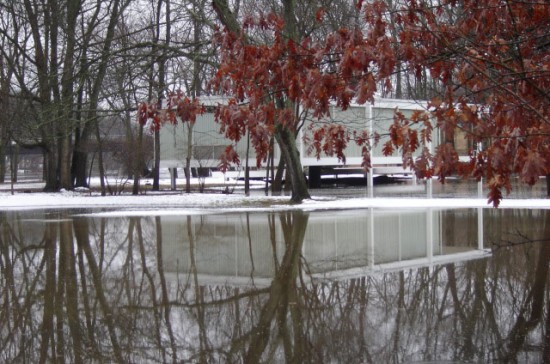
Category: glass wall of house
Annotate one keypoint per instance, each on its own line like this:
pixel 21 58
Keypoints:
pixel 209 143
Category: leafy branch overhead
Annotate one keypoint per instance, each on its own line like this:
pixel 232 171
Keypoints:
pixel 489 59
pixel 178 108
pixel 492 60
pixel 267 80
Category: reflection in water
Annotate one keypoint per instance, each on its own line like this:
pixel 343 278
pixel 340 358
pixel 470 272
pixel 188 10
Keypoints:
pixel 358 287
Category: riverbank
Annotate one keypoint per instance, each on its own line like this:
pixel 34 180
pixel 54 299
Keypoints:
pixel 454 194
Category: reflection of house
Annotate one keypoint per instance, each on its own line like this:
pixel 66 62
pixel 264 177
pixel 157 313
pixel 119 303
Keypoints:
pixel 336 242
pixel 208 143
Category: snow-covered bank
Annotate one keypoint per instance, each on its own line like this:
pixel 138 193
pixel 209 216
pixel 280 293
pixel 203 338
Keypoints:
pixel 168 203
pixel 174 202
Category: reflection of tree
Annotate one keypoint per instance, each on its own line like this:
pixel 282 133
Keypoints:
pixel 531 309
pixel 165 301
pixel 283 298
pixel 203 348
pixel 83 241
pixel 96 290
pixel 50 249
pixel 258 326
pixel 67 277
pixel 546 340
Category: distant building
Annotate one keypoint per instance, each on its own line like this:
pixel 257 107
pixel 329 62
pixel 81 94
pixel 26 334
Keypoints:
pixel 209 144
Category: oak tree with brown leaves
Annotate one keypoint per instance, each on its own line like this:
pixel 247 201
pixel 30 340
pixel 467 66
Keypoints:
pixel 273 84
pixel 492 60
pixel 489 57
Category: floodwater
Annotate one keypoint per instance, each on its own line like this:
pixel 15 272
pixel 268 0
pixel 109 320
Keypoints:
pixel 354 286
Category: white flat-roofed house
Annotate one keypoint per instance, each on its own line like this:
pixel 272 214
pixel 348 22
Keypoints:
pixel 209 143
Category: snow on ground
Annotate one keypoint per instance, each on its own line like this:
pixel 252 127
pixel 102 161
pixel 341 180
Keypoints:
pixel 176 202
pixel 159 204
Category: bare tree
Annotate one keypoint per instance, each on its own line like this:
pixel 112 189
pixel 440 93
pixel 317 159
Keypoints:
pixel 68 50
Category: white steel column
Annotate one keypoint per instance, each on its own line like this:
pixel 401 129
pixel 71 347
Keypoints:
pixel 370 182
pixel 480 182
pixel 429 182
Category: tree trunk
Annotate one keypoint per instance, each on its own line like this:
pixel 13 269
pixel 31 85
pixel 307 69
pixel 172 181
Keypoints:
pixel 65 180
pixel 196 91
pixel 79 169
pixel 52 183
pixel 246 167
pixel 188 156
pixel 226 16
pixel 79 166
pixel 279 175
pixel 14 162
pixel 156 165
pixel 94 97
pixel 2 162
pixel 100 158
pixel 138 160
pixel 287 143
pixel 284 135
pixel 286 138
pixel 44 115
pixel 5 79
pixel 161 84
pixel 269 167
pixel 51 152
pixel 67 91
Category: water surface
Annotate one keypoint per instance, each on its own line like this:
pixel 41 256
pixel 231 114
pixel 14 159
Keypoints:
pixel 354 286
